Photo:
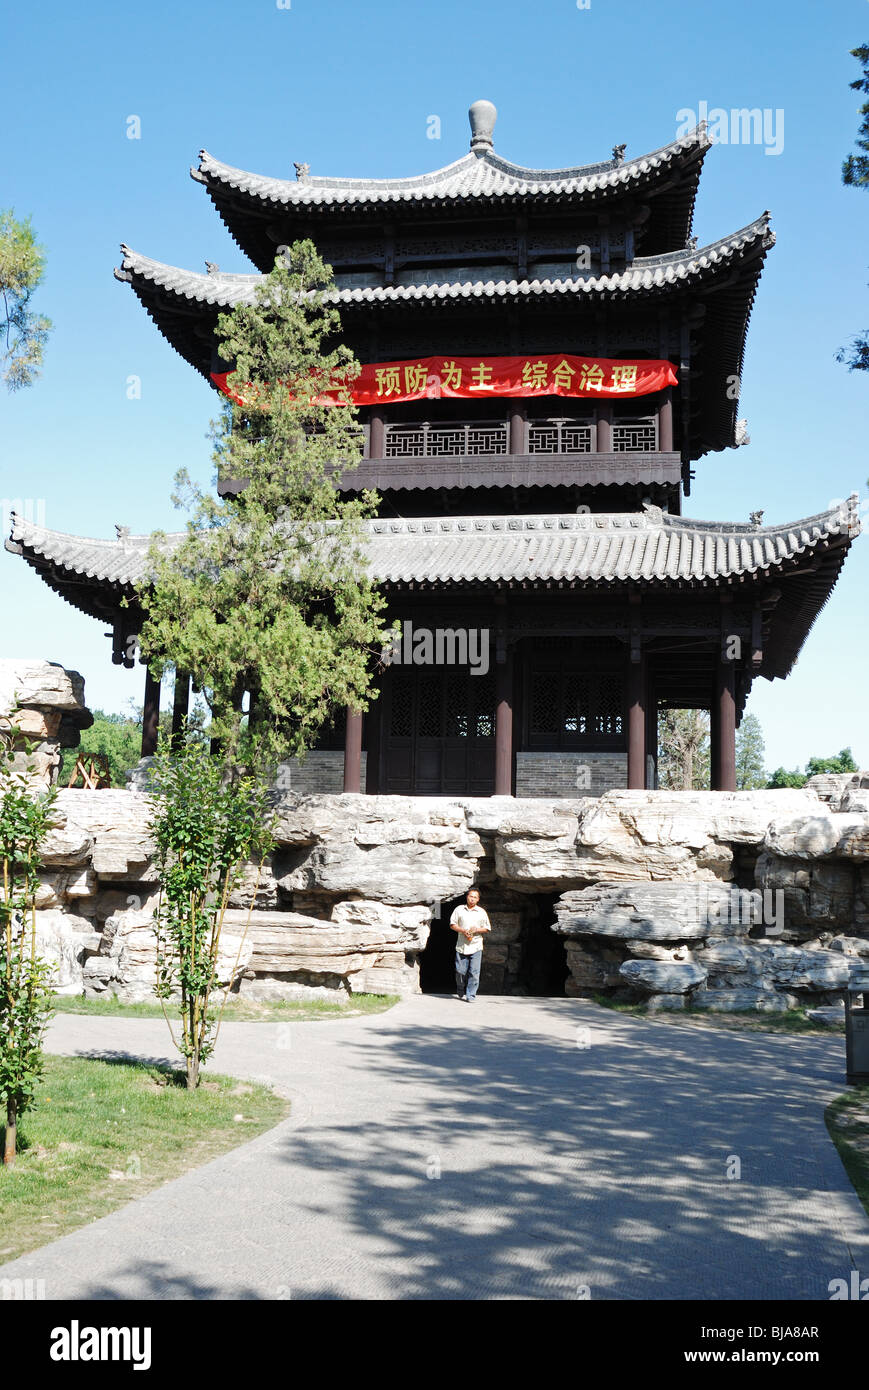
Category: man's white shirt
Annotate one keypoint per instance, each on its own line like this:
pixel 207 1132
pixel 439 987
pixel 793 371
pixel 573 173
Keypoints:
pixel 466 918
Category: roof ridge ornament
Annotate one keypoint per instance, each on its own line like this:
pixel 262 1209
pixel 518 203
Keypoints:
pixel 619 153
pixel 482 116
pixel 302 171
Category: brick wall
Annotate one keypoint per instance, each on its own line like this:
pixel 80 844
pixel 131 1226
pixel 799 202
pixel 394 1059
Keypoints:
pixel 321 772
pixel 570 774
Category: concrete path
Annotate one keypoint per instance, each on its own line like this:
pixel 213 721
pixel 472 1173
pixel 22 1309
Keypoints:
pixel 514 1148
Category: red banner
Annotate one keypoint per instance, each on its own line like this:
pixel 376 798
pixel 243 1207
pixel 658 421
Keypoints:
pixel 451 377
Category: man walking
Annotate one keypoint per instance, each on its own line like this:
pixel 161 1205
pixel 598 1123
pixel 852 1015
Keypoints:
pixel 470 923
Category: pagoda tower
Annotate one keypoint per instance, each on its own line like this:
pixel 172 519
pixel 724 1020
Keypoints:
pixel 546 353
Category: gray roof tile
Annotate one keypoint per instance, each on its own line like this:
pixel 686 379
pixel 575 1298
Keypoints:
pixel 480 175
pixel 610 548
pixel 655 272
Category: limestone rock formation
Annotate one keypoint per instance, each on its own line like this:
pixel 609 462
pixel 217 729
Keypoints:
pixel 45 703
pixel 642 892
pixel 662 977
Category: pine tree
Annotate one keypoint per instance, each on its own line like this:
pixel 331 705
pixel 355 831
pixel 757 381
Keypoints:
pixel 750 771
pixel 855 173
pixel 23 334
pixel 267 602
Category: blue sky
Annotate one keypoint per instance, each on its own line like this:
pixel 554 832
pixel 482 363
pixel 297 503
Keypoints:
pixel 350 88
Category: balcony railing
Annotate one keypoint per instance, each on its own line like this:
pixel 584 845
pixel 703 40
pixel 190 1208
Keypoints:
pixel 638 436
pixel 560 437
pixel 445 441
pixel 488 438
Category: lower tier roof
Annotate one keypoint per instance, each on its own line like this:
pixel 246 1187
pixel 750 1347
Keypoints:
pixel 608 552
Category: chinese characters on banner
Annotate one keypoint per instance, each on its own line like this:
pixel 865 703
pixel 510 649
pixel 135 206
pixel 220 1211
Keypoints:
pixel 450 377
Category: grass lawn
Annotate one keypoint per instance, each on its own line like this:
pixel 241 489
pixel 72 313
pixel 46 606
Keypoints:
pixel 848 1123
pixel 794 1021
pixel 101 1133
pixel 238 1010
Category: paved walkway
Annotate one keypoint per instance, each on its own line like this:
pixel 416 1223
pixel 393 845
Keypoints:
pixel 518 1148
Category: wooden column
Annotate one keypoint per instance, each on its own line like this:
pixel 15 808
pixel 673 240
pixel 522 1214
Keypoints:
pixel 665 422
pixel 504 726
pixel 724 727
pixel 150 715
pixel 517 428
pixel 637 724
pixel 376 433
pixel 180 706
pixel 353 751
pixel 373 740
pixel 604 427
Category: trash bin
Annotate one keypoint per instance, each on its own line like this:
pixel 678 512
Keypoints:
pixel 857 1025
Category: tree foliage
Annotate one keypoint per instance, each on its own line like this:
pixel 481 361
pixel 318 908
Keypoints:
pixel 683 749
pixel 204 829
pixel 855 173
pixel 782 778
pixel 118 738
pixel 23 333
pixel 266 601
pixel 25 977
pixel 840 762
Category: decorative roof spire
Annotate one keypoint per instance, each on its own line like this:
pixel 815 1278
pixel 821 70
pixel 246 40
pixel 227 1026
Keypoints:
pixel 482 115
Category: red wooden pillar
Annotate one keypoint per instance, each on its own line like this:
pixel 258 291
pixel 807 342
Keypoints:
pixel 504 726
pixel 604 427
pixel 180 706
pixel 637 724
pixel 724 728
pixel 665 422
pixel 376 432
pixel 517 428
pixel 353 751
pixel 150 715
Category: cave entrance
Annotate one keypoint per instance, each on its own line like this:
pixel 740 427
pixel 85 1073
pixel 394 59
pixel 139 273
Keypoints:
pixel 523 956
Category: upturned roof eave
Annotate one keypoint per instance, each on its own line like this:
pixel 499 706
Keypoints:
pixel 601 179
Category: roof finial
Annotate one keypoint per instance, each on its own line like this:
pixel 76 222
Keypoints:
pixel 482 115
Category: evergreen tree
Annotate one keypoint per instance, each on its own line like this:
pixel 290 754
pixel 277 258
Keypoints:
pixel 23 334
pixel 855 173
pixel 750 772
pixel 266 602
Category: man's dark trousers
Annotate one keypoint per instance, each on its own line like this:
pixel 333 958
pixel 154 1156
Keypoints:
pixel 468 974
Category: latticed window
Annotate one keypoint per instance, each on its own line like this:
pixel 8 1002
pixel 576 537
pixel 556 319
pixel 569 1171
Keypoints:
pixel 560 437
pixel 483 697
pixel 430 717
pixel 635 435
pixel 544 704
pixel 456 713
pixel 567 708
pixel 449 703
pixel 446 441
pixel 401 714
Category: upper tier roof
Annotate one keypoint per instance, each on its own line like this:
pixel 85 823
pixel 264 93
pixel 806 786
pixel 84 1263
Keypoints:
pixel 610 550
pixel 723 275
pixel 250 203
